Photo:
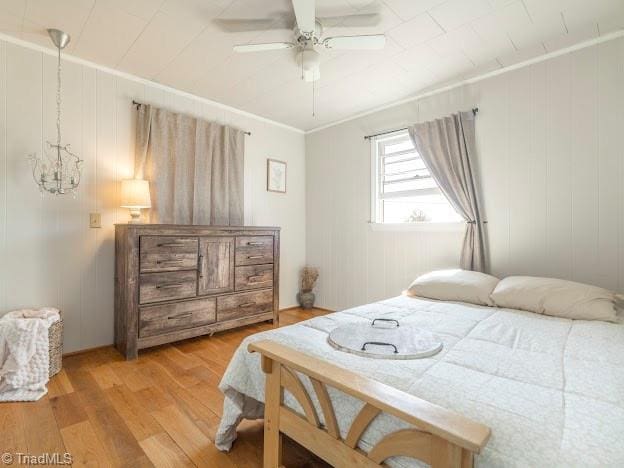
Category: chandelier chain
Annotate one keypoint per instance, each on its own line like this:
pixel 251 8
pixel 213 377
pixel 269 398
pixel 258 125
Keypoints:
pixel 58 99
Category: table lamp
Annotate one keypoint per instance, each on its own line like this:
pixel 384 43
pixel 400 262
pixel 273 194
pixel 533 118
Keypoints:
pixel 135 195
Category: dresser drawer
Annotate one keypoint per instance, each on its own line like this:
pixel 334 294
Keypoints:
pixel 167 261
pixel 254 250
pixel 169 245
pixel 161 319
pixel 244 304
pixel 156 287
pixel 253 277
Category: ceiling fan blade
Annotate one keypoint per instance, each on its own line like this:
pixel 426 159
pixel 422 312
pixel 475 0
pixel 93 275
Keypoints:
pixel 366 42
pixel 352 21
pixel 306 15
pixel 282 20
pixel 242 25
pixel 263 47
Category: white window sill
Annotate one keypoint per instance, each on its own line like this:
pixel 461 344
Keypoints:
pixel 422 227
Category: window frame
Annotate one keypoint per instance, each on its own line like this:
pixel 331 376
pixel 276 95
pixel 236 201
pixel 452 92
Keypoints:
pixel 376 201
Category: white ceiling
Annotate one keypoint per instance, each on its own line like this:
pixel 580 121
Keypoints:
pixel 176 42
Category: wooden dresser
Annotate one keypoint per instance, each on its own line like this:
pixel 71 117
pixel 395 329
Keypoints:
pixel 174 282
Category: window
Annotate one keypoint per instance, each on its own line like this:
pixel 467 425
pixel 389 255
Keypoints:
pixel 404 191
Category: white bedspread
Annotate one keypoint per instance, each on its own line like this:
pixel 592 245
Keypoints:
pixel 551 389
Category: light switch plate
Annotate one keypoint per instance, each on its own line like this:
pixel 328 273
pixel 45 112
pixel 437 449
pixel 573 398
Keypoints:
pixel 95 220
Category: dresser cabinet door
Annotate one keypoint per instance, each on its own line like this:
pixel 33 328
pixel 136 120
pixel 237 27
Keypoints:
pixel 216 265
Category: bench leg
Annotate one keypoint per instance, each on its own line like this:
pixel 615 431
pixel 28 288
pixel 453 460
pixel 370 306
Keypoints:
pixel 273 401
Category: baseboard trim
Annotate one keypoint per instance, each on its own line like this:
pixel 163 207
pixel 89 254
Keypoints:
pixel 87 350
pixel 301 308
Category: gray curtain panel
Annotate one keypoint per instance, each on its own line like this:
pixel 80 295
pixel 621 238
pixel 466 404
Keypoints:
pixel 447 147
pixel 195 168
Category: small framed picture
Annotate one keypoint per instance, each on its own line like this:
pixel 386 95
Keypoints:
pixel 276 176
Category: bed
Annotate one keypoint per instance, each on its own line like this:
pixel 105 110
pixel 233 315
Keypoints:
pixel 550 389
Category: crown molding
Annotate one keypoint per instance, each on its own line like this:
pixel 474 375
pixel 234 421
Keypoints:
pixel 581 45
pixel 137 79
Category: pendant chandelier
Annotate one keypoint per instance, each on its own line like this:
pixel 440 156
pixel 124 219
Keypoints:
pixel 58 170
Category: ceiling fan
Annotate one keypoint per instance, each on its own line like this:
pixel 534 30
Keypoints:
pixel 308 34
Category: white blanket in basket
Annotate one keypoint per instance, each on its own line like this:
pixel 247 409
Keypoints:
pixel 24 353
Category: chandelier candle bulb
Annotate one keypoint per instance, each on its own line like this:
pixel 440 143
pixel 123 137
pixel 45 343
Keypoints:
pixel 135 195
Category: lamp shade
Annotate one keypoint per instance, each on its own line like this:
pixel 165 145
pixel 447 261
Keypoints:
pixel 135 194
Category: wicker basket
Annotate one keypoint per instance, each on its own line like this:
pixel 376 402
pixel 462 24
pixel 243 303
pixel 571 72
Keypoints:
pixel 55 335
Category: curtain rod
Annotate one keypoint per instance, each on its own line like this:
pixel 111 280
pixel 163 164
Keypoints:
pixel 368 137
pixel 139 104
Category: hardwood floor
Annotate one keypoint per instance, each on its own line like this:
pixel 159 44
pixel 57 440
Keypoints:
pixel 162 409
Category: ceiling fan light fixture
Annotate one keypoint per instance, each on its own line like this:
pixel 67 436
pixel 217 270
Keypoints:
pixel 310 59
pixel 310 62
pixel 312 75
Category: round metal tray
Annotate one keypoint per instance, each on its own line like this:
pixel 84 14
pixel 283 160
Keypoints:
pixel 385 339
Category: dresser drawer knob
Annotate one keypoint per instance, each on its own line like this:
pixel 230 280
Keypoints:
pixel 255 243
pixel 168 262
pixel 254 278
pixel 247 304
pixel 171 244
pixel 253 257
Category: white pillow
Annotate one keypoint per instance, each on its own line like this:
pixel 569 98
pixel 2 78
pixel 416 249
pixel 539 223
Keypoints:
pixel 556 297
pixel 455 285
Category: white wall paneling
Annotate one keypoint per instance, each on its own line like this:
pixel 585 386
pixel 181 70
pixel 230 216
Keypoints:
pixel 550 161
pixel 3 172
pixel 551 164
pixel 48 253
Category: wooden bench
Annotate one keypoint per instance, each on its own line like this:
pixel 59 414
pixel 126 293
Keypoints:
pixel 440 437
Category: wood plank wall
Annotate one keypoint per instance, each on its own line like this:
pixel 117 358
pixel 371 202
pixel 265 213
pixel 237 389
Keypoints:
pixel 551 160
pixel 48 253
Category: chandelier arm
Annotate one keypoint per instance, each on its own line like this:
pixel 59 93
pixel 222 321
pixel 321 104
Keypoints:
pixel 35 164
pixel 78 177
